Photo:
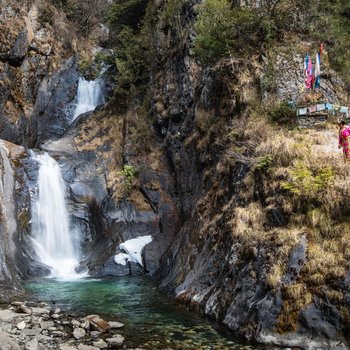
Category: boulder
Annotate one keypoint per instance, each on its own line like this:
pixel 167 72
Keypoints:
pixel 98 323
pixel 79 333
pixel 6 343
pixel 116 342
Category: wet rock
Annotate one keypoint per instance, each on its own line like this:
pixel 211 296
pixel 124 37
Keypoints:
pixel 115 325
pixel 98 323
pixel 54 103
pixel 313 319
pixel 23 309
pixel 95 334
pixel 79 333
pixel 116 342
pixel 76 323
pixel 40 311
pixel 19 49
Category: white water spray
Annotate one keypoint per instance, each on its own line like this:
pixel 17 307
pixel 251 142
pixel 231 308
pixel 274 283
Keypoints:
pixel 89 96
pixel 55 244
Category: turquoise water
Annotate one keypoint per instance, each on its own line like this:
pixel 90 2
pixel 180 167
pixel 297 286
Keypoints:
pixel 151 320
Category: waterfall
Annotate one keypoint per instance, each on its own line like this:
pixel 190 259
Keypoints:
pixel 89 96
pixel 55 244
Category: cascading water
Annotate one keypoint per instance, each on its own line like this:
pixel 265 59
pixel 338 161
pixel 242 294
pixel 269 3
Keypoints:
pixel 89 96
pixel 55 244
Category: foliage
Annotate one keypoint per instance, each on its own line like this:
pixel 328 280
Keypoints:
pixel 131 62
pixel 281 113
pixel 305 182
pixel 221 29
pixel 126 13
pixel 85 13
pixel 171 11
pixel 129 173
pixel 264 162
pixel 224 28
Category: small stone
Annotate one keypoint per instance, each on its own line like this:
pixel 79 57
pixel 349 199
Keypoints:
pixel 78 333
pixel 21 325
pixel 58 334
pixel 17 303
pixel 43 338
pixel 32 345
pixel 55 316
pixel 47 324
pixel 23 309
pixel 31 331
pixel 95 334
pixel 85 325
pixel 40 311
pixel 87 347
pixel 115 325
pixel 67 347
pixel 52 329
pixel 115 342
pixel 100 344
pixel 75 323
pixel 57 311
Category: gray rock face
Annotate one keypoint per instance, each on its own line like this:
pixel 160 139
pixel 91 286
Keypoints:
pixel 10 210
pixel 54 108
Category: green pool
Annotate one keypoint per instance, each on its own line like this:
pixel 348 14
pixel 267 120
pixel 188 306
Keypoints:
pixel 151 319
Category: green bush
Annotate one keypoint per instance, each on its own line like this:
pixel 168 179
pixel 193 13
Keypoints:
pixel 131 62
pixel 222 28
pixel 126 13
pixel 307 183
pixel 264 163
pixel 129 173
pixel 283 114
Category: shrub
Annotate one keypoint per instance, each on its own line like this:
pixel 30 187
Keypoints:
pixel 282 114
pixel 126 13
pixel 222 28
pixel 264 163
pixel 308 183
pixel 129 173
pixel 131 62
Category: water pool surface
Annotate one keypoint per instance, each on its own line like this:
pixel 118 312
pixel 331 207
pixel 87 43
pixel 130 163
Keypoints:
pixel 152 320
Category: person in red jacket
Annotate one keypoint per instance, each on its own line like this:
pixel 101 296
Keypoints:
pixel 344 139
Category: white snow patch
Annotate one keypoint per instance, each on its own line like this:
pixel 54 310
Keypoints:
pixel 133 249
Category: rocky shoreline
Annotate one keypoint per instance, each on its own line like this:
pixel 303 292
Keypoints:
pixel 37 326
